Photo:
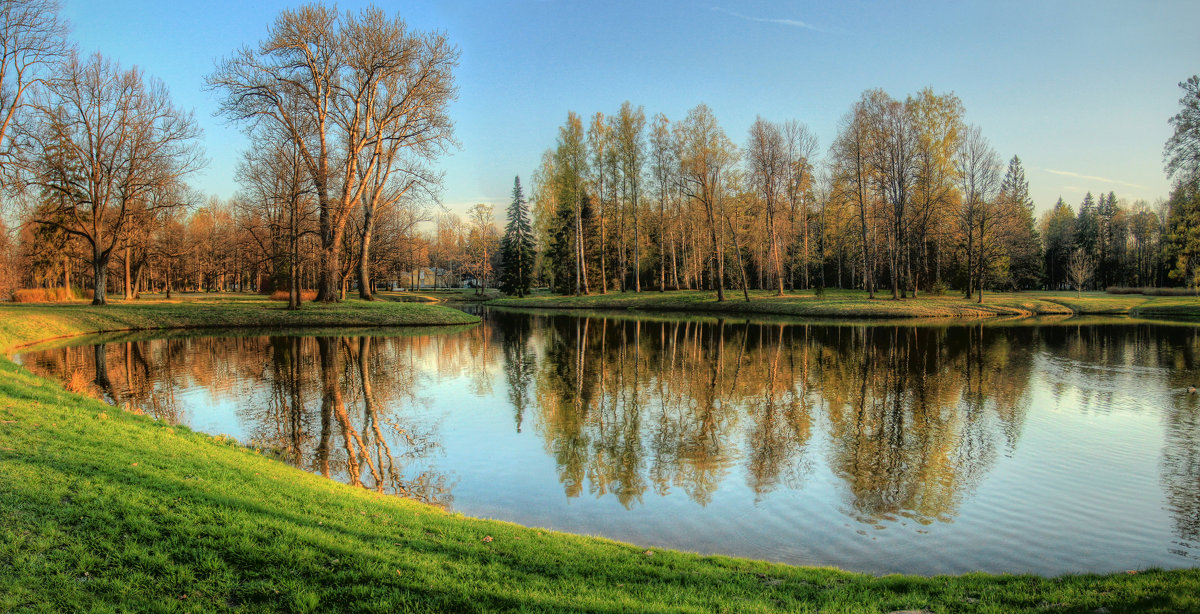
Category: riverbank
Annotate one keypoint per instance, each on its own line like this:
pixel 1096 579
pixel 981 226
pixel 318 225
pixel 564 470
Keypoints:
pixel 22 323
pixel 102 509
pixel 853 304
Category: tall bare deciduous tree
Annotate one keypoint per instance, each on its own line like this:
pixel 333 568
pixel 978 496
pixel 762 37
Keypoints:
pixel 707 155
pixel 631 151
pixel 850 155
pixel 766 156
pixel 102 139
pixel 276 188
pixel 32 43
pixel 348 89
pixel 664 166
pixel 800 150
pixel 979 171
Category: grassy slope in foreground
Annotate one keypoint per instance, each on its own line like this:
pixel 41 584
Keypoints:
pixel 855 304
pixel 105 510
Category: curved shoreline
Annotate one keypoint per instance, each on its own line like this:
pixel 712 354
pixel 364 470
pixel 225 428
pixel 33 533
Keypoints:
pixel 147 514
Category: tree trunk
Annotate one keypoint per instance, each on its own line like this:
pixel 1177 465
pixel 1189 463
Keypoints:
pixel 364 256
pixel 775 251
pixel 637 249
pixel 168 280
pixel 128 277
pixel 99 278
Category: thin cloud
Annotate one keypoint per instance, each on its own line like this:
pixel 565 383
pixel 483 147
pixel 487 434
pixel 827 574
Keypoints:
pixel 1095 178
pixel 795 23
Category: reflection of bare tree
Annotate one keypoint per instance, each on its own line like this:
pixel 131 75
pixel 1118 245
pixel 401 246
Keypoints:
pixel 100 366
pixel 781 417
pixel 915 413
pixel 915 424
pixel 298 398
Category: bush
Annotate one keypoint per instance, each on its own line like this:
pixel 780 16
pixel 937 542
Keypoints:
pixel 819 291
pixel 305 295
pixel 938 289
pixel 1151 291
pixel 49 295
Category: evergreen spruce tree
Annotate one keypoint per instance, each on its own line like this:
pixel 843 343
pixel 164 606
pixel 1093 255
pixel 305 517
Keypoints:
pixel 1024 245
pixel 1087 228
pixel 516 247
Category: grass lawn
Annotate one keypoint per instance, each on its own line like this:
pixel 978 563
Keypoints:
pixel 36 321
pixel 451 295
pixel 104 510
pixel 856 304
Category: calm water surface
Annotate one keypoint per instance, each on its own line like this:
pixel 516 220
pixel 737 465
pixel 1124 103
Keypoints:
pixel 924 449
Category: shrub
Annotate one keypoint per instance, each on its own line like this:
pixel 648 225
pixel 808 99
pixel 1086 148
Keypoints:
pixel 305 295
pixel 938 289
pixel 1151 291
pixel 49 295
pixel 819 291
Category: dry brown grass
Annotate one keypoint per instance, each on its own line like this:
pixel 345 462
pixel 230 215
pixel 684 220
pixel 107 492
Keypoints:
pixel 48 295
pixel 77 383
pixel 305 295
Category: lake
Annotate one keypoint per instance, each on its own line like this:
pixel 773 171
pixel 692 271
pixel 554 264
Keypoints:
pixel 1030 446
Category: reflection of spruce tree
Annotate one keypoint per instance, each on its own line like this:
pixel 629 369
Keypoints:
pixel 1181 467
pixel 519 361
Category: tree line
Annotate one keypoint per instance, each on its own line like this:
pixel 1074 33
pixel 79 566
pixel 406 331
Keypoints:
pixel 908 198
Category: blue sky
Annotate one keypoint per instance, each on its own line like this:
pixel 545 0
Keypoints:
pixel 1081 91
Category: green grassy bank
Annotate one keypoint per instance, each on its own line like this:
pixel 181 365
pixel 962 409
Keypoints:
pixel 856 304
pixel 22 323
pixel 102 510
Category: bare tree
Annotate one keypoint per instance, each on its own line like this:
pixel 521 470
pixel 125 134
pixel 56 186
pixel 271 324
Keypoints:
pixel 1080 269
pixel 979 173
pixel 768 169
pixel 346 89
pixel 631 151
pixel 276 187
pixel 32 41
pixel 850 155
pixel 664 165
pixel 101 141
pixel 481 240
pixel 707 154
pixel 800 150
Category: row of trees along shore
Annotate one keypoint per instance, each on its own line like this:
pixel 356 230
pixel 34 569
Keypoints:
pixel 909 198
pixel 346 113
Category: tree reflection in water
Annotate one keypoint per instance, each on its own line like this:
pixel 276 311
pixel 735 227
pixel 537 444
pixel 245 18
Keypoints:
pixel 915 415
pixel 333 405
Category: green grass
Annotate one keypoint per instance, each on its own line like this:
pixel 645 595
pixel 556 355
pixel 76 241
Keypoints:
pixel 38 321
pixel 856 304
pixel 103 510
pixel 451 295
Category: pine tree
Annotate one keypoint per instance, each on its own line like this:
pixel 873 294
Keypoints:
pixel 1023 243
pixel 516 248
pixel 1087 228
